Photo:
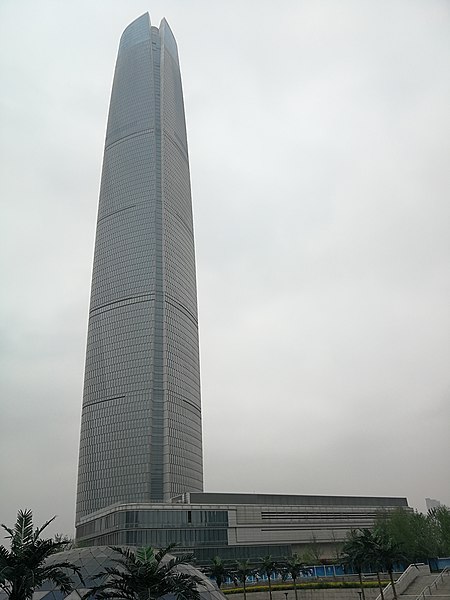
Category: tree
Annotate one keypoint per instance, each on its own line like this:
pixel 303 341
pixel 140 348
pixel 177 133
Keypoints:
pixel 268 568
pixel 314 551
pixel 387 553
pixel 243 570
pixel 146 575
pixel 411 531
pixel 292 567
pixel 372 543
pixel 354 554
pixel 23 568
pixel 218 570
pixel 66 542
pixel 439 522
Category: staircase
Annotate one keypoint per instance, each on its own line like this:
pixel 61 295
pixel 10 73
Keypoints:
pixel 428 586
pixel 417 583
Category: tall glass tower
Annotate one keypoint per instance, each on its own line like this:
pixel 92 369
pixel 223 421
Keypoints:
pixel 141 437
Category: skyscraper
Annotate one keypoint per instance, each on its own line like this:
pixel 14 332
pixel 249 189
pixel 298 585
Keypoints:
pixel 141 435
pixel 140 474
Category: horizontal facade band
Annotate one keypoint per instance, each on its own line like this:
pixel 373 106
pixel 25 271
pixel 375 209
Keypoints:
pixel 128 137
pixel 122 302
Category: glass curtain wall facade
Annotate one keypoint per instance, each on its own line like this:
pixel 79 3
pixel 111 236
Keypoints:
pixel 141 420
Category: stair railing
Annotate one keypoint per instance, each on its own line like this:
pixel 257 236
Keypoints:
pixel 428 589
pixel 404 580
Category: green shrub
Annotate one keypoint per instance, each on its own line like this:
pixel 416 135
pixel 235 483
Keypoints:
pixel 313 585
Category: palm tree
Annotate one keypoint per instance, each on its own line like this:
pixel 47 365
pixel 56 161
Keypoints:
pixel 388 553
pixel 23 568
pixel 292 567
pixel 66 542
pixel 242 571
pixel 147 575
pixel 268 567
pixel 370 545
pixel 354 554
pixel 218 570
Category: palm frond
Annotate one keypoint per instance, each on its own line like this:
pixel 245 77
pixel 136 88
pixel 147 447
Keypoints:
pixel 8 530
pixel 39 530
pixel 5 555
pixel 184 587
pixel 162 552
pixel 23 568
pixel 60 579
pixel 145 554
pixel 126 552
pixel 187 557
pixel 23 528
pixel 65 564
pixel 146 574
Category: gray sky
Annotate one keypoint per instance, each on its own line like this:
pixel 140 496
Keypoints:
pixel 319 137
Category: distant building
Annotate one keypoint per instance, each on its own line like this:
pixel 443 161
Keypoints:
pixel 432 503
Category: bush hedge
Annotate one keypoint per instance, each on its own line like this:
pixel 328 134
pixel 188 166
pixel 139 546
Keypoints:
pixel 313 585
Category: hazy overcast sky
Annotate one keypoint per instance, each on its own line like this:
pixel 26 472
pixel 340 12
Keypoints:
pixel 319 137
